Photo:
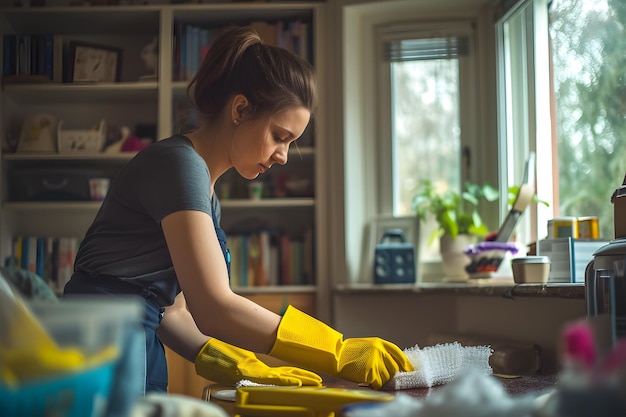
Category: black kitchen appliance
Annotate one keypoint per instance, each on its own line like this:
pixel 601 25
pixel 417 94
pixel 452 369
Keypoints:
pixel 605 281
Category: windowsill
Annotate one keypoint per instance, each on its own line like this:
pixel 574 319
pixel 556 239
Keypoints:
pixel 483 287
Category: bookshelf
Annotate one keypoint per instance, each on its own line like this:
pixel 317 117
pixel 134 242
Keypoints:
pixel 132 100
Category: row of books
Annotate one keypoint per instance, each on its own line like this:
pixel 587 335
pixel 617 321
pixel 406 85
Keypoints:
pixel 260 258
pixel 266 258
pixel 42 54
pixel 192 42
pixel 33 55
pixel 52 258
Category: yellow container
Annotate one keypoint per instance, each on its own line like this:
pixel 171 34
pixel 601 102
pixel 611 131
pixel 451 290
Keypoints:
pixel 588 227
pixel 563 227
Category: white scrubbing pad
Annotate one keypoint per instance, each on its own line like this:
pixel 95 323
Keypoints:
pixel 440 364
pixel 248 383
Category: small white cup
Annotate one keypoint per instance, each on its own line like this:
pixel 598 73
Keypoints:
pixel 98 188
pixel 531 269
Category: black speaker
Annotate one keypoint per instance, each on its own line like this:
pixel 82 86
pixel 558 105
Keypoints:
pixel 394 259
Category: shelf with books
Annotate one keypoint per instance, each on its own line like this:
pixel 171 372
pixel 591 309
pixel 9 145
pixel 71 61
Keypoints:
pixel 271 257
pixel 193 33
pixel 130 101
pixel 51 258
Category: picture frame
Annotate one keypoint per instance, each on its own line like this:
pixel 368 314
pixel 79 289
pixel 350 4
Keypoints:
pixel 375 229
pixel 408 224
pixel 94 63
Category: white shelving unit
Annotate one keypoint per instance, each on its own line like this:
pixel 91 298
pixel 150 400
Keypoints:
pixel 129 102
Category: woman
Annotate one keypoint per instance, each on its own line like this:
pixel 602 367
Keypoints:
pixel 157 233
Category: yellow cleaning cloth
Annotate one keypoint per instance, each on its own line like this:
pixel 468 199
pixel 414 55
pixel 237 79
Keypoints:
pixel 28 352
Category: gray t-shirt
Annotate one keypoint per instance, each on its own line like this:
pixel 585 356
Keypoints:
pixel 126 240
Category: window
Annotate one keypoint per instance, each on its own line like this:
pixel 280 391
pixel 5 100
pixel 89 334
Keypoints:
pixel 465 88
pixel 562 93
pixel 424 84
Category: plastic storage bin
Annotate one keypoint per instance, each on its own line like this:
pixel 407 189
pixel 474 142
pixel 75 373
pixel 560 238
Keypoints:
pixel 88 322
pixel 43 184
pixel 91 323
pixel 71 395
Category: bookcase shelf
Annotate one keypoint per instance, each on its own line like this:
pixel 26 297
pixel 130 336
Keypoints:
pixel 76 156
pixel 267 203
pixel 131 101
pixel 277 289
pixel 82 20
pixel 65 93
pixel 46 207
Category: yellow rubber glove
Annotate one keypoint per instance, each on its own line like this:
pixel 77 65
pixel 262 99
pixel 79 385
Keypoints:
pixel 307 342
pixel 226 364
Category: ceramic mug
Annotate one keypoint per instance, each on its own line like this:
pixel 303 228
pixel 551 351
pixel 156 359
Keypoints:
pixel 98 188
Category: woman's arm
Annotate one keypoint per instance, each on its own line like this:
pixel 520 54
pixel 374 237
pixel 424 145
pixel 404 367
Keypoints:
pixel 218 361
pixel 203 277
pixel 300 339
pixel 179 332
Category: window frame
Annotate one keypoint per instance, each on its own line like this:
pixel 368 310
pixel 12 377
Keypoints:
pixel 467 96
pixel 533 115
pixel 353 109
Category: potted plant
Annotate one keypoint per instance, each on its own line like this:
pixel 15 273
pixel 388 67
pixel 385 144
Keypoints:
pixel 459 224
pixel 455 212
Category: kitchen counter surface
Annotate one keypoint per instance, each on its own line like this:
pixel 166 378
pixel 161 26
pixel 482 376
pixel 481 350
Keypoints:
pixel 513 386
pixel 479 287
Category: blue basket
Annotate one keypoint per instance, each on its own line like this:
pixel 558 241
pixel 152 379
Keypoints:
pixel 74 395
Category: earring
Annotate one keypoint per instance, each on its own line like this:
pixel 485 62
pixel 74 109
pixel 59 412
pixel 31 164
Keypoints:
pixel 236 122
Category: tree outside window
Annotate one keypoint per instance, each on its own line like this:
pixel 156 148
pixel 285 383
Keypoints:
pixel 588 64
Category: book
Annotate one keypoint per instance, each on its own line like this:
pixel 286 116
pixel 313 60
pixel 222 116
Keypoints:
pixel 266 31
pixel 265 257
pixel 40 263
pixel 17 250
pixel 9 55
pixel 569 257
pixel 285 260
pixel 58 52
pixel 65 259
pixel 25 253
pixel 235 254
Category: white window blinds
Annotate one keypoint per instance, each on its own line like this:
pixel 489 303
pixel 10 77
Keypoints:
pixel 425 48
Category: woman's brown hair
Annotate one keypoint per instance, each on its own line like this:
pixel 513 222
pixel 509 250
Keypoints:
pixel 273 79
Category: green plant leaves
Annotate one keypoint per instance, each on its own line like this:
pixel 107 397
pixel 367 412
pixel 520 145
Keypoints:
pixel 455 212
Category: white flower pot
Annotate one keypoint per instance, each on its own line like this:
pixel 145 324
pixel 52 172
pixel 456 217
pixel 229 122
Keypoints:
pixel 453 259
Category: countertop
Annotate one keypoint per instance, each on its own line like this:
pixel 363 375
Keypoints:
pixel 478 287
pixel 513 386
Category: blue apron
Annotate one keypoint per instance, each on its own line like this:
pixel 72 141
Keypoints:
pixel 84 282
